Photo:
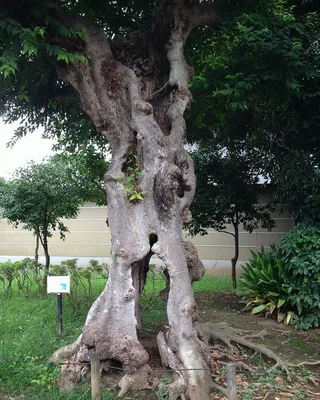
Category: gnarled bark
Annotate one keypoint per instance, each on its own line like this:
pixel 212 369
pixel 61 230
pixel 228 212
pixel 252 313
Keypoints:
pixel 140 111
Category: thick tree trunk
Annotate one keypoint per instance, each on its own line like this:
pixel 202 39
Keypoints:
pixel 150 186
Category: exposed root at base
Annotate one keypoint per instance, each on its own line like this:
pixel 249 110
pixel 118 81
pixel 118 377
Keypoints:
pixel 136 381
pixel 228 335
pixel 144 378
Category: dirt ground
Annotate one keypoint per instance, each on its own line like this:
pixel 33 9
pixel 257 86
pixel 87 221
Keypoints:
pixel 295 346
pixel 291 345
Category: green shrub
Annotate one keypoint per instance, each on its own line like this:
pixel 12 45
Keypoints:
pixel 18 275
pixel 7 276
pixel 300 251
pixel 262 284
pixel 286 281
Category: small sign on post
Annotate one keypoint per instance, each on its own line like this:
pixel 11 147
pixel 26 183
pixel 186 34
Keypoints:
pixel 59 285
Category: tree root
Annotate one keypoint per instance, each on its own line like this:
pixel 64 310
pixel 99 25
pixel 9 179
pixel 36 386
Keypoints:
pixel 66 352
pixel 228 335
pixel 135 381
pixel 140 379
pixel 176 389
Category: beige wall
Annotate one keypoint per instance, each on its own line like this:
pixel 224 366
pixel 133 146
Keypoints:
pixel 89 237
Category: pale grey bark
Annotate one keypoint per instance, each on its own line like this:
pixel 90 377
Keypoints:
pixel 116 100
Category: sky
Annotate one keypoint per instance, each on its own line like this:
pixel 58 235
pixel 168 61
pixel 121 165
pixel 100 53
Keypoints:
pixel 31 147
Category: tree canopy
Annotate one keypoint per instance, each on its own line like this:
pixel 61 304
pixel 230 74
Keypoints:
pixel 257 88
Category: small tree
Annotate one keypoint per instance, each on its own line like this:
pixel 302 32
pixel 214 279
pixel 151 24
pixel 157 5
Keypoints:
pixel 297 179
pixel 39 196
pixel 87 169
pixel 226 194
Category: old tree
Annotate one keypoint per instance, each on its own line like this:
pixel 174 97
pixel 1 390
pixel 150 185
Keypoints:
pixel 135 90
pixel 116 69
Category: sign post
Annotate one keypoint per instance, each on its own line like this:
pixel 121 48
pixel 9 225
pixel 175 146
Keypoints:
pixel 59 302
pixel 59 285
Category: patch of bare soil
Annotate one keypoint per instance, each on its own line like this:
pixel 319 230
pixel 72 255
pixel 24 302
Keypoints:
pixel 260 383
pixel 295 346
pixel 290 345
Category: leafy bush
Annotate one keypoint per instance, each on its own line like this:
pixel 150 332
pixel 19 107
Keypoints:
pixel 300 251
pixel 19 274
pixel 23 276
pixel 286 281
pixel 262 284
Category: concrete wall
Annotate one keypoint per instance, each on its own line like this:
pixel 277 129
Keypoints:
pixel 89 238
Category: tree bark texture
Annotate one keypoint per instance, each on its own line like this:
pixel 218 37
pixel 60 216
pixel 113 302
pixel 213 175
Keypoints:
pixel 36 250
pixel 136 93
pixel 44 243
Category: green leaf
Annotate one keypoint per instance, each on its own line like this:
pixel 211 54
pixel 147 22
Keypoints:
pixel 258 309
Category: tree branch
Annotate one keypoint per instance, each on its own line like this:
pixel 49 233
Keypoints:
pixel 97 45
pixel 229 233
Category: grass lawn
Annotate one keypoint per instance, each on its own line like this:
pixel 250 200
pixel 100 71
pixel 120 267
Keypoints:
pixel 28 337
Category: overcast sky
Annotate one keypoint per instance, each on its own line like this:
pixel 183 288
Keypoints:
pixel 31 147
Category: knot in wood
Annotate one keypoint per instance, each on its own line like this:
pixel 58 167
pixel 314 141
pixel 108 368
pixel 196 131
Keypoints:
pixel 108 177
pixel 130 295
pixel 186 216
pixel 190 308
pixel 187 335
pixel 122 254
pixel 144 107
pixel 175 171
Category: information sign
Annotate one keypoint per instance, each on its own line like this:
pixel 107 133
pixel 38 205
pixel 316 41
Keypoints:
pixel 58 284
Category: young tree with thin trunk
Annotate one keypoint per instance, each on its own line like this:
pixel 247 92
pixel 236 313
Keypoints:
pixel 39 196
pixel 228 195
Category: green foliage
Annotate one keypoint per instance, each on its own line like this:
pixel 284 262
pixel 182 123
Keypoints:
pixel 87 167
pixel 300 250
pixel 298 186
pixel 19 275
pixel 33 41
pixel 39 196
pixel 23 277
pixel 262 283
pixel 132 178
pixel 261 68
pixel 81 280
pixel 257 86
pixel 286 280
pixel 227 191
